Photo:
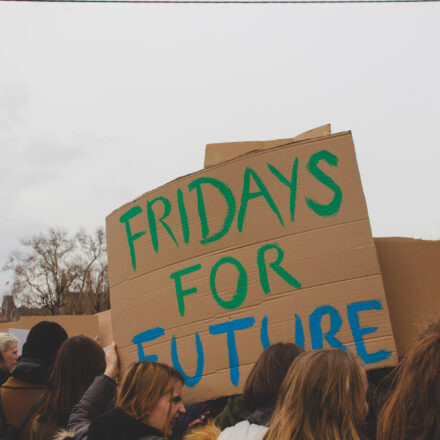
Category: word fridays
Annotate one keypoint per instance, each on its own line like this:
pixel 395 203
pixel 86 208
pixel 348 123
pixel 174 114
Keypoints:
pixel 250 176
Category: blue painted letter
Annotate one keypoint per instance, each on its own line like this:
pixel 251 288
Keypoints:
pixel 190 381
pixel 229 327
pixel 316 330
pixel 146 336
pixel 359 333
pixel 264 336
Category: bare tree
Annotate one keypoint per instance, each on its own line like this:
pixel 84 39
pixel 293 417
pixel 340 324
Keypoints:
pixel 58 273
pixel 92 283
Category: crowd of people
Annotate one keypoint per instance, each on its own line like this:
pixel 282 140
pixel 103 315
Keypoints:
pixel 68 388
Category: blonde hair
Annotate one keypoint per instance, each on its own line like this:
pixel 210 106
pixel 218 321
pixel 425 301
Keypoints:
pixel 6 341
pixel 143 385
pixel 322 397
pixel 210 431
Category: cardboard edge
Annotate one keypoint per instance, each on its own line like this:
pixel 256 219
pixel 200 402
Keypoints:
pixel 254 146
pixel 254 153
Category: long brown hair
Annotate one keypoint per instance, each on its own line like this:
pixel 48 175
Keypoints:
pixel 264 381
pixel 79 360
pixel 143 385
pixel 322 397
pixel 412 412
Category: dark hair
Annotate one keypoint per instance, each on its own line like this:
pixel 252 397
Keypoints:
pixel 264 381
pixel 433 327
pixel 44 340
pixel 79 360
pixel 413 409
pixel 380 381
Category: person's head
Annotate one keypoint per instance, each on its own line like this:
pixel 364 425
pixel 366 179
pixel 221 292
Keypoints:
pixel 39 352
pixel 264 381
pixel 8 350
pixel 151 392
pixel 80 359
pixel 413 409
pixel 433 327
pixel 322 397
pixel 43 341
pixel 380 381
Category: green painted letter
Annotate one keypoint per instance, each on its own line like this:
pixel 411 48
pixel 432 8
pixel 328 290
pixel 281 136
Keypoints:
pixel 125 218
pixel 183 215
pixel 291 185
pixel 333 207
pixel 280 271
pixel 152 221
pixel 230 201
pixel 240 295
pixel 180 292
pixel 247 195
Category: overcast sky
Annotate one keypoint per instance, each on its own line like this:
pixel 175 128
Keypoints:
pixel 100 103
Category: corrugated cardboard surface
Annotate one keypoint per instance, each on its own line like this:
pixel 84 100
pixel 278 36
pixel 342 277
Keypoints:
pixel 261 223
pixel 333 258
pixel 73 324
pixel 221 152
pixel 105 328
pixel 411 276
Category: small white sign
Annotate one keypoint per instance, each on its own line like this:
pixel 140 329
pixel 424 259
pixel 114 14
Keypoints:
pixel 21 334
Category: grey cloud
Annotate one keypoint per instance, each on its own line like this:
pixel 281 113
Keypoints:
pixel 13 106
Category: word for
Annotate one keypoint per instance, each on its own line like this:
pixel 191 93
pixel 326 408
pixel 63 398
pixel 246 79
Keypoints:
pixel 230 328
pixel 242 282
pixel 250 178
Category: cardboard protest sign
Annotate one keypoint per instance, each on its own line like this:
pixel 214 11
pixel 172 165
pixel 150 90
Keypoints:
pixel 105 328
pixel 73 324
pixel 208 270
pixel 411 276
pixel 221 152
